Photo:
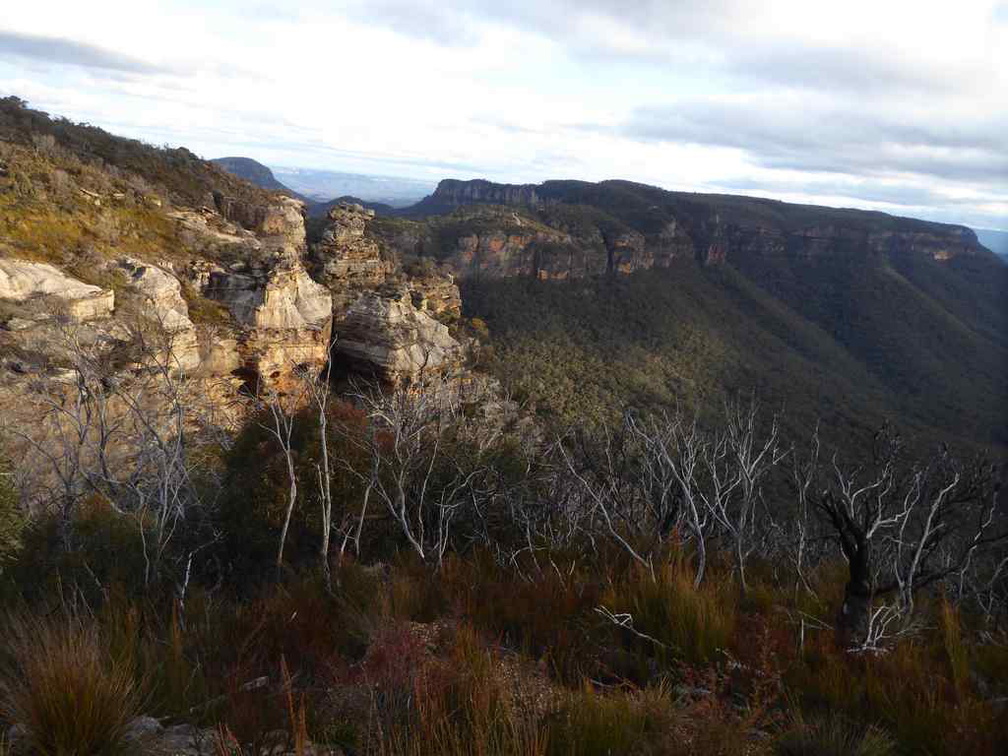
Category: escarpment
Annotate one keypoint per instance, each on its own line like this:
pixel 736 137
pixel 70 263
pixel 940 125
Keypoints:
pixel 572 229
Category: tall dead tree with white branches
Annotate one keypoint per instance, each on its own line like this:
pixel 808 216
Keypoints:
pixel 903 527
pixel 412 469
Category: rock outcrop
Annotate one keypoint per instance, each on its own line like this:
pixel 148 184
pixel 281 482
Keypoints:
pixel 161 293
pixel 386 319
pixel 162 306
pixel 284 318
pixel 281 219
pixel 436 293
pixel 451 193
pixel 389 337
pixel 346 260
pixel 22 281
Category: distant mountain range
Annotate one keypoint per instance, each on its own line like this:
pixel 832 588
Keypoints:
pixel 321 186
pixel 255 172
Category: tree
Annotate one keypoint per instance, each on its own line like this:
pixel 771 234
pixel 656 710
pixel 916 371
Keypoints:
pixel 902 527
pixel 411 467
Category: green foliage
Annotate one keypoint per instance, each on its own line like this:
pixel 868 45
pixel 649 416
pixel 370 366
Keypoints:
pixel 96 551
pixel 584 351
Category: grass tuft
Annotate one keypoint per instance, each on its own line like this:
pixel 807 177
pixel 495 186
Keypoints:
pixel 67 690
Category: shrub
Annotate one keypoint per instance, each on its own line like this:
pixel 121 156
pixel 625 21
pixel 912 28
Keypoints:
pixel 98 550
pixel 64 686
pixel 834 736
pixel 11 521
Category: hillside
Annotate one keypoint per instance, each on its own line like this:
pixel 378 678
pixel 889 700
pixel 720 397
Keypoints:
pixel 256 173
pixel 274 485
pixel 847 315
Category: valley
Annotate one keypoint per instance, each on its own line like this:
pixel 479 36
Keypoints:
pixel 564 468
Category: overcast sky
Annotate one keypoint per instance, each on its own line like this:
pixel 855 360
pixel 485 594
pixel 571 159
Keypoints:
pixel 899 106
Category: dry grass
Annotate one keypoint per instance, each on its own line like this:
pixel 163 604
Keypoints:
pixel 477 659
pixel 64 686
pixel 833 735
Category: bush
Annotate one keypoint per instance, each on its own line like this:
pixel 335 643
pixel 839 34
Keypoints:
pixel 64 686
pixel 834 736
pixel 11 522
pixel 98 550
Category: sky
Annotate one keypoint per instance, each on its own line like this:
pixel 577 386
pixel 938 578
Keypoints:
pixel 894 105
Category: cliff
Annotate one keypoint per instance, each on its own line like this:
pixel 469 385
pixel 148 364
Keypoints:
pixel 131 253
pixel 569 229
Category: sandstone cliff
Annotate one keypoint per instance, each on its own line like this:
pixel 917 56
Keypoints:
pixel 570 229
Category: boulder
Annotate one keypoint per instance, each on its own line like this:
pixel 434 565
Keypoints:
pixel 142 729
pixel 22 280
pixel 390 337
pixel 162 293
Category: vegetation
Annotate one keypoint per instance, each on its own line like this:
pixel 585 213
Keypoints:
pixel 63 684
pixel 483 595
pixel 691 336
pixel 694 533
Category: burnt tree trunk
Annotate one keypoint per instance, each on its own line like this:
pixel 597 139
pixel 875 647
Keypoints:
pixel 852 620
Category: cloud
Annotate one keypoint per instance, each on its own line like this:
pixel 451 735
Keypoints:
pixel 55 50
pixel 898 103
pixel 796 132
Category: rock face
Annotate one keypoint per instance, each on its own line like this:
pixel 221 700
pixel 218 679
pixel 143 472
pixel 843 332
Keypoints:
pixel 389 336
pixel 286 318
pixel 161 292
pixel 436 293
pixel 21 280
pixel 570 229
pixel 282 219
pixel 163 306
pixel 385 318
pixel 451 193
pixel 346 260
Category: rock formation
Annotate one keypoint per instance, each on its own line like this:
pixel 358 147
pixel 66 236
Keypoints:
pixel 346 260
pixel 385 318
pixel 23 281
pixel 388 336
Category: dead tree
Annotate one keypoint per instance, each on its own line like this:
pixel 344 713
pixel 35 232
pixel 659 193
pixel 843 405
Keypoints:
pixel 410 470
pixel 120 429
pixel 317 389
pixel 642 483
pixel 737 459
pixel 279 423
pixel 901 528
